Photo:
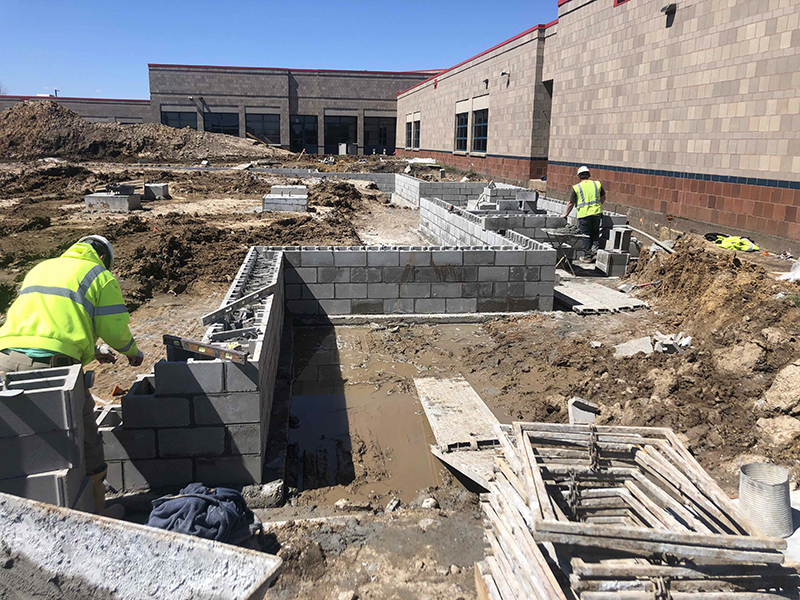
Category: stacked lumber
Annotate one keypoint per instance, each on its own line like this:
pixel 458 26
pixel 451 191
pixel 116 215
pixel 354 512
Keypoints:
pixel 578 511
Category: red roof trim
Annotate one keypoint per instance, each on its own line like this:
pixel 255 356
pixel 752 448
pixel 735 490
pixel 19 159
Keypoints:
pixel 560 2
pixel 463 62
pixel 74 98
pixel 423 72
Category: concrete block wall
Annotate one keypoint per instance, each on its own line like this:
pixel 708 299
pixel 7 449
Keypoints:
pixel 328 280
pixel 447 224
pixel 610 219
pixel 41 436
pixel 204 420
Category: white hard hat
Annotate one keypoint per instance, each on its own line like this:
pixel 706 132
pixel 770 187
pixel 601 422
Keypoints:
pixel 106 246
pixel 583 169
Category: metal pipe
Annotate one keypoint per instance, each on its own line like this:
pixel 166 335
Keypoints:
pixel 659 244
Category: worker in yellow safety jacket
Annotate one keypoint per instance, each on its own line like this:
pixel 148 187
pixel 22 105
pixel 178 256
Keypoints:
pixel 588 196
pixel 62 308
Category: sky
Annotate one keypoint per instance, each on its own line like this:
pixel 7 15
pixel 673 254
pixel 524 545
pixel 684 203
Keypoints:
pixel 101 49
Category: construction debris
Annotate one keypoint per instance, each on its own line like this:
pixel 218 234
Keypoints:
pixel 644 345
pixel 617 512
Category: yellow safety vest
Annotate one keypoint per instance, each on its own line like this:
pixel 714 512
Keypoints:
pixel 588 193
pixel 65 304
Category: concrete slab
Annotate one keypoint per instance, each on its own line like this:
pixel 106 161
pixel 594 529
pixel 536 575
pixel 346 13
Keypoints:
pixel 93 555
pixel 644 345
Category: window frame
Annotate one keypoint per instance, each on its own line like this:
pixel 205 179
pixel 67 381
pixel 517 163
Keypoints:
pixel 409 134
pixel 222 126
pixel 267 139
pixel 180 118
pixel 417 126
pixel 465 137
pixel 484 129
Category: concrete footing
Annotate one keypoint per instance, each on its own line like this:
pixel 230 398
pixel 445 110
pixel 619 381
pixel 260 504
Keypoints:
pixel 90 556
pixel 156 191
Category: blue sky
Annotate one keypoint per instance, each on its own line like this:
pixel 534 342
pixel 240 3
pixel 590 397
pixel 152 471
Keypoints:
pixel 96 48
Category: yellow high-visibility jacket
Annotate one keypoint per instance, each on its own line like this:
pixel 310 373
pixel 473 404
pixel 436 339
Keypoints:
pixel 65 304
pixel 589 199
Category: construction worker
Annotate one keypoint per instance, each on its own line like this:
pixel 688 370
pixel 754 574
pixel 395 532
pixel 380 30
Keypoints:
pixel 63 306
pixel 588 196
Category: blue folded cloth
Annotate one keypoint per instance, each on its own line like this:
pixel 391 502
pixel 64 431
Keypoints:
pixel 212 513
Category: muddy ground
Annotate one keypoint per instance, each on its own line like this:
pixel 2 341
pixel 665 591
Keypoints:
pixel 176 258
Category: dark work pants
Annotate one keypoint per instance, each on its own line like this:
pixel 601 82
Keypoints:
pixel 590 226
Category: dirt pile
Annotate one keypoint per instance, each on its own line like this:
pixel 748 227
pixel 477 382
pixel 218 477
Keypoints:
pixel 336 194
pixel 43 128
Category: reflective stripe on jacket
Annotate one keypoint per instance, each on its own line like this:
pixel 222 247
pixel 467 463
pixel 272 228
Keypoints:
pixel 588 193
pixel 65 304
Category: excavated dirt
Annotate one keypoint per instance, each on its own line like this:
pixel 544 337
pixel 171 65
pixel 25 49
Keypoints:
pixel 39 129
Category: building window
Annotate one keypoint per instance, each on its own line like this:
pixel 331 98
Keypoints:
pixel 179 120
pixel 480 130
pixel 379 135
pixel 408 134
pixel 227 123
pixel 266 128
pixel 340 130
pixel 416 135
pixel 303 133
pixel 461 132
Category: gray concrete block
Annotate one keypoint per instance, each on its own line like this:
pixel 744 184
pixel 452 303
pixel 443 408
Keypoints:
pixel 505 289
pixel 303 307
pixel 461 305
pixel 230 470
pixel 293 291
pixel 582 411
pixel 509 257
pixel 542 288
pixel 156 191
pixel 478 257
pixel 40 453
pixel 335 307
pixel 318 291
pixel 398 306
pixel 383 258
pixel 404 274
pixel 241 378
pixel 383 290
pixel 350 290
pixel 546 303
pixel 242 407
pixel 366 307
pixel 523 273
pixel 178 378
pixel 366 275
pixel 114 476
pixel 419 258
pixel 302 275
pixel 60 488
pixel 492 273
pixel 540 258
pixel 446 290
pixel 547 273
pixel 316 258
pixel 523 304
pixel 159 473
pixel 149 411
pixel 191 442
pixel 333 274
pixel 120 203
pixel 492 305
pixel 42 400
pixel 126 444
pixel 350 258
pixel 415 290
pixel 447 257
pixel 477 289
pixel 430 305
pixel 243 439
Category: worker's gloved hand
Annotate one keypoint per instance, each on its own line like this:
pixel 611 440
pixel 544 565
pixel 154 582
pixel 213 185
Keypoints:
pixel 104 355
pixel 137 360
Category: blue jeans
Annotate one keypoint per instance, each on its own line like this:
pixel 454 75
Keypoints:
pixel 590 226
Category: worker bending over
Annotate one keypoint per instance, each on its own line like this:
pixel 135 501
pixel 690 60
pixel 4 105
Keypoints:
pixel 588 196
pixel 63 306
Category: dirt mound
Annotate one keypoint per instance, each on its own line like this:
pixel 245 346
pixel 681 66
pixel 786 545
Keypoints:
pixel 44 128
pixel 335 194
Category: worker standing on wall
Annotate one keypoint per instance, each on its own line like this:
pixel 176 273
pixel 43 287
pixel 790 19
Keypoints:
pixel 588 195
pixel 63 306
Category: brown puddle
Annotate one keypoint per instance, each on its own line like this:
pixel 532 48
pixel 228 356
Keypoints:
pixel 362 431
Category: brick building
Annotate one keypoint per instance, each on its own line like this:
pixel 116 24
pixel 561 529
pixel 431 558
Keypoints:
pixel 96 110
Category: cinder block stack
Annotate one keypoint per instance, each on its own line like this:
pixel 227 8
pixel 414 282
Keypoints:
pixel 613 263
pixel 286 198
pixel 41 437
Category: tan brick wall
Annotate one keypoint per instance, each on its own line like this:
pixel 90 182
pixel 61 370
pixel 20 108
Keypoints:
pixel 717 92
pixel 518 104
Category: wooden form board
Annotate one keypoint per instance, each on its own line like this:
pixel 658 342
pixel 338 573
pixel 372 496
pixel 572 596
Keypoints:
pixel 589 297
pixel 457 415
